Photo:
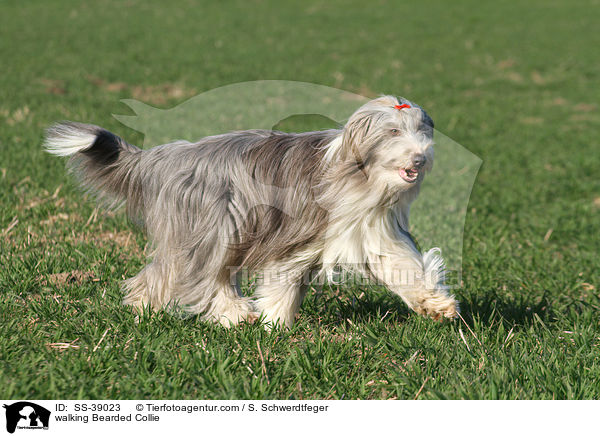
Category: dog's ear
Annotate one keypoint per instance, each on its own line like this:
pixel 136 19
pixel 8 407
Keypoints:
pixel 427 119
pixel 355 132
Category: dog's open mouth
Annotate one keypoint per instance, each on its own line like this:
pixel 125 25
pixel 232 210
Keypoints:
pixel 409 174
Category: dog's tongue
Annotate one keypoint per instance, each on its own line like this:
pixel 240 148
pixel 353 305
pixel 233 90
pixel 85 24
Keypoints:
pixel 408 175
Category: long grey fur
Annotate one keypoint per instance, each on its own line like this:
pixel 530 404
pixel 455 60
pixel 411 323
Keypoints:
pixel 263 201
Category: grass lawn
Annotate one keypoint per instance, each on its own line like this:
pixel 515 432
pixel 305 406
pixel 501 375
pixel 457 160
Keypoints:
pixel 514 82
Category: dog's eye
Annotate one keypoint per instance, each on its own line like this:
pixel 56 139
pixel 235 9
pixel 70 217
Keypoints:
pixel 395 131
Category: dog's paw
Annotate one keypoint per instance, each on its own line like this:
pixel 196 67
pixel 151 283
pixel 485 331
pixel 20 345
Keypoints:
pixel 239 311
pixel 438 307
pixel 252 317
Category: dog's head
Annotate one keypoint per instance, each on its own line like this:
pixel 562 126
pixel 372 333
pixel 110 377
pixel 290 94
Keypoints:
pixel 391 140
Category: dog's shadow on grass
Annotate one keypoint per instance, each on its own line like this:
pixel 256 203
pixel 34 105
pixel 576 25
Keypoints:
pixel 511 310
pixel 357 307
pixel 487 307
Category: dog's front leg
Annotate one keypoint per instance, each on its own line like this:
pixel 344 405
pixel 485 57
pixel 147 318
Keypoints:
pixel 418 280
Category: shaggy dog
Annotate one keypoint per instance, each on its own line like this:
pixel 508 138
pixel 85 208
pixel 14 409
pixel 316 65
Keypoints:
pixel 275 204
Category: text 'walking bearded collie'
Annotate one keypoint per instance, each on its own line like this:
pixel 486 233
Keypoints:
pixel 272 203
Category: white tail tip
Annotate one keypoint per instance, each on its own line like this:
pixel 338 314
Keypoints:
pixel 66 139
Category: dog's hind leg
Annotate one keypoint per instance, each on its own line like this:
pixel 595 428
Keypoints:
pixel 151 287
pixel 281 289
pixel 208 288
pixel 159 286
pixel 278 299
pixel 206 285
pixel 228 307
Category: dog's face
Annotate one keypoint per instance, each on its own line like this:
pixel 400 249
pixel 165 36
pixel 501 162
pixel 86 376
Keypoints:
pixel 392 141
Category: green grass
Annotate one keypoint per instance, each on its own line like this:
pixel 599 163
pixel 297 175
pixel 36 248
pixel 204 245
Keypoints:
pixel 515 83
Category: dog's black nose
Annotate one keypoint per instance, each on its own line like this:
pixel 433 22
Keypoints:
pixel 419 160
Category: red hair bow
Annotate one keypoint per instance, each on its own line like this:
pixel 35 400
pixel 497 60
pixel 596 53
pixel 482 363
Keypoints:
pixel 401 106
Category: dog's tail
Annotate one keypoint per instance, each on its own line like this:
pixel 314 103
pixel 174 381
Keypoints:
pixel 104 164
